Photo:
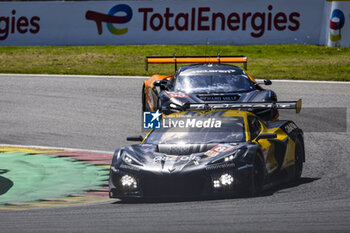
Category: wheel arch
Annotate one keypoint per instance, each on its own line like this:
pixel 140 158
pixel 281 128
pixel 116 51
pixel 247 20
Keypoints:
pixel 255 151
pixel 143 97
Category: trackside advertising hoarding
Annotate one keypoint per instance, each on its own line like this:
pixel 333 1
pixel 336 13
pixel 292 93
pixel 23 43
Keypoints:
pixel 162 22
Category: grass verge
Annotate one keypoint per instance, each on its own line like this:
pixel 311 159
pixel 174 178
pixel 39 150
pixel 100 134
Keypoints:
pixel 264 61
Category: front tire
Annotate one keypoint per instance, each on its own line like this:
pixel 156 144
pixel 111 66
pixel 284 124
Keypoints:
pixel 159 105
pixel 256 182
pixel 144 106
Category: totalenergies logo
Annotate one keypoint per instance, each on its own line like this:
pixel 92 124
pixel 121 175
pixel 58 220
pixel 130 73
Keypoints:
pixel 197 19
pixel 336 24
pixel 111 18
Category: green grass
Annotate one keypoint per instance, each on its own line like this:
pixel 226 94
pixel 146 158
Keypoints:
pixel 264 61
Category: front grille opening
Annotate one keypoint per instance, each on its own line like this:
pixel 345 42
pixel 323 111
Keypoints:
pixel 172 185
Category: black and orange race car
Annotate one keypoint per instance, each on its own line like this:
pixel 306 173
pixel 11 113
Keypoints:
pixel 206 80
pixel 214 152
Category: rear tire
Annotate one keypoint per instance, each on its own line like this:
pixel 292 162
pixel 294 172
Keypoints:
pixel 298 159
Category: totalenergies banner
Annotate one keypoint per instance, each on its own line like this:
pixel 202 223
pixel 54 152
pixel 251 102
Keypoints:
pixel 162 22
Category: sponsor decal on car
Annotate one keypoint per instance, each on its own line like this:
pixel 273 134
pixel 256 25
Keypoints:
pixel 208 71
pixel 220 166
pixel 177 95
pixel 147 148
pixel 219 149
pixel 219 98
pixel 176 158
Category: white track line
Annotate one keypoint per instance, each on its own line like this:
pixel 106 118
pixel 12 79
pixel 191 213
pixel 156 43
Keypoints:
pixel 145 77
pixel 57 148
pixel 305 81
pixel 71 76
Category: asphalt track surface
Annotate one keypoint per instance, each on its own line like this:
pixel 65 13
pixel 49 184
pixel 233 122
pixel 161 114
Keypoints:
pixel 98 113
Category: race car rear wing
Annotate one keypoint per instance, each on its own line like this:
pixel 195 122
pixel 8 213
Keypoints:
pixel 194 59
pixel 248 105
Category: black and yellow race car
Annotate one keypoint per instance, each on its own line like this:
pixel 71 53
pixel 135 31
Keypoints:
pixel 214 151
pixel 205 80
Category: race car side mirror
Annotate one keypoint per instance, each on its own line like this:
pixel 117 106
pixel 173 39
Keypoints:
pixel 138 138
pixel 163 84
pixel 267 82
pixel 156 83
pixel 266 136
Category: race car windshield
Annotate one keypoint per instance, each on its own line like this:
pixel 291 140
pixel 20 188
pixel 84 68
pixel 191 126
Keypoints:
pixel 231 130
pixel 213 83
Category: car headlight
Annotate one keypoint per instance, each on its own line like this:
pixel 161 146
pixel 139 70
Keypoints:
pixel 176 107
pixel 172 105
pixel 128 182
pixel 225 180
pixel 129 159
pixel 117 155
pixel 230 157
pixel 175 104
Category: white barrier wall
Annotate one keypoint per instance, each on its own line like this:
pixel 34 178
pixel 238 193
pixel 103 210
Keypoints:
pixel 162 22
